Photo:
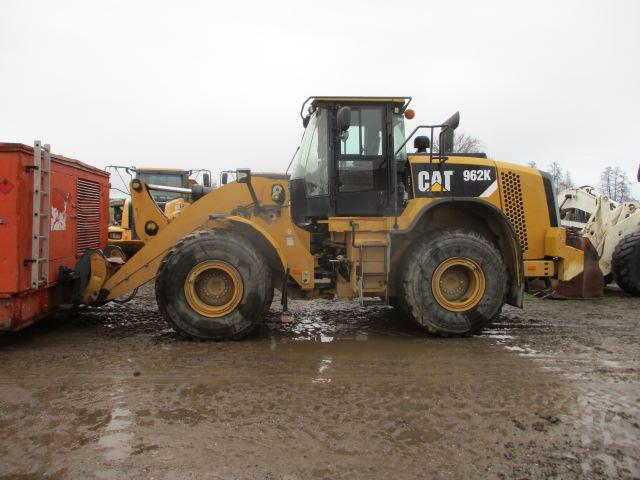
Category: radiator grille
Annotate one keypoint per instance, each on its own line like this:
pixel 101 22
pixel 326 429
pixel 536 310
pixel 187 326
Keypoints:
pixel 88 224
pixel 514 207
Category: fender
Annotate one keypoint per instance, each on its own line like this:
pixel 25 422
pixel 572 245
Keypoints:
pixel 284 245
pixel 504 230
pixel 261 231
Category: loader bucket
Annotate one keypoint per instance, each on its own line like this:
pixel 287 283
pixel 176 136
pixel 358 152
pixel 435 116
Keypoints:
pixel 589 283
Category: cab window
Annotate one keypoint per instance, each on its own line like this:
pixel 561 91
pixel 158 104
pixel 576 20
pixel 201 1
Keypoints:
pixel 312 158
pixel 399 137
pixel 165 179
pixel 365 133
pixel 361 167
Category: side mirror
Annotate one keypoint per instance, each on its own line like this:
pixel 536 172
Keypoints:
pixel 206 180
pixel 243 175
pixel 344 118
pixel 224 177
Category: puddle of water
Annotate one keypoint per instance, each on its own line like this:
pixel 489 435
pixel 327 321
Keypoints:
pixel 612 364
pixel 524 351
pixel 324 365
pixel 116 441
pixel 117 445
pixel 117 424
pixel 362 337
pixel 515 348
pixel 497 334
pixel 325 321
pixel 119 419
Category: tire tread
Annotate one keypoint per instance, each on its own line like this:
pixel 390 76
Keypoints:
pixel 625 264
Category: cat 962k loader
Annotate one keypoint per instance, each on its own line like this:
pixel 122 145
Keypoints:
pixel 447 237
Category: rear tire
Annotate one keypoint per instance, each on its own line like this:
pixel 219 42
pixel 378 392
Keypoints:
pixel 452 282
pixel 213 285
pixel 625 264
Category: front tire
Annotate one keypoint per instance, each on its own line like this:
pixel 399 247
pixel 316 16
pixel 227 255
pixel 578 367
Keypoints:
pixel 453 282
pixel 626 264
pixel 213 285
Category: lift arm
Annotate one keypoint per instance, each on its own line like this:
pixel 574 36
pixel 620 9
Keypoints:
pixel 214 210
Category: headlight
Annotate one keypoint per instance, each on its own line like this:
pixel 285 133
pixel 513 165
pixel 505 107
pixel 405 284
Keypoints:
pixel 115 235
pixel 277 193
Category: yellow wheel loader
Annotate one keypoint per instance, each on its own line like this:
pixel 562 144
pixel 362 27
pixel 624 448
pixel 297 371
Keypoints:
pixel 446 237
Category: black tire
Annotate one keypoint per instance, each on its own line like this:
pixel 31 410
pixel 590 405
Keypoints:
pixel 216 245
pixel 625 264
pixel 415 282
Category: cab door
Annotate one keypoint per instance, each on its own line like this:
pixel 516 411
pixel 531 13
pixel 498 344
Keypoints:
pixel 362 170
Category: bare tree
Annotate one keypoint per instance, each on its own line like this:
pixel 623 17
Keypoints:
pixel 622 185
pixel 606 182
pixel 556 174
pixel 561 180
pixel 567 182
pixel 615 184
pixel 462 143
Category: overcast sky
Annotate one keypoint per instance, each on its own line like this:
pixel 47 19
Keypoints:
pixel 219 84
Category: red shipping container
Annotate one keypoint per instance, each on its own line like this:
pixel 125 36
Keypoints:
pixel 73 215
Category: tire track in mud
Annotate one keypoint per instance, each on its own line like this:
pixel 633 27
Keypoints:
pixel 593 345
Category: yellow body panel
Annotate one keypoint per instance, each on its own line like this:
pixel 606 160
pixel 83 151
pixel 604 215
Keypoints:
pixel 524 202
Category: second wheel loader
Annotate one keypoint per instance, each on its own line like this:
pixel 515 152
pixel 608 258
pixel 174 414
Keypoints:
pixel 446 237
pixel 612 228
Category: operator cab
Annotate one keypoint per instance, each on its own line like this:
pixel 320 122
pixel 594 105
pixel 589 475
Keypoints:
pixel 346 164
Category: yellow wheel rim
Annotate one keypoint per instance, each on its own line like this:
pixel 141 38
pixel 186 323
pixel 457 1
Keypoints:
pixel 458 284
pixel 213 288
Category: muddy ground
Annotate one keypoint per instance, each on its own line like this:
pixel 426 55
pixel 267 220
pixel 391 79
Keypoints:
pixel 340 392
